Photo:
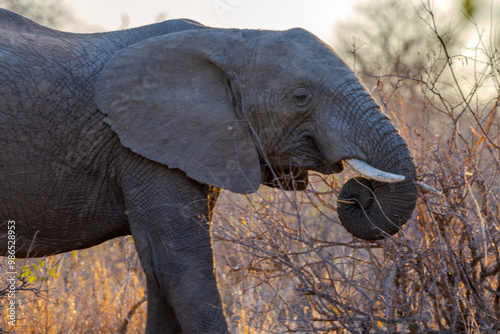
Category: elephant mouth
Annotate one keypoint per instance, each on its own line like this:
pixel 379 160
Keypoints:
pixel 286 178
pixel 327 169
pixel 337 167
pixel 296 178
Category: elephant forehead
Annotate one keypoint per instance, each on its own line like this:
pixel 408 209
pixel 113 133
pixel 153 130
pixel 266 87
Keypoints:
pixel 297 53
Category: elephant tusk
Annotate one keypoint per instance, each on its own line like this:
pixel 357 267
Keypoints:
pixel 371 172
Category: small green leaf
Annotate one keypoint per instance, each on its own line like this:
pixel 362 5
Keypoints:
pixel 25 272
pixel 52 273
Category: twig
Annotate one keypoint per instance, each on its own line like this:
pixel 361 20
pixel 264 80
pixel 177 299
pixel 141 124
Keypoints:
pixel 126 321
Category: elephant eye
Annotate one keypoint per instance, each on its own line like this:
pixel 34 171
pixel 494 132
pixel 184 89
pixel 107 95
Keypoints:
pixel 301 97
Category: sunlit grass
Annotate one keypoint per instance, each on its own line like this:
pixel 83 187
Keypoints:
pixel 89 291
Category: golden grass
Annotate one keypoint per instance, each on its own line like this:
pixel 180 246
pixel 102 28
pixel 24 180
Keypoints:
pixel 89 291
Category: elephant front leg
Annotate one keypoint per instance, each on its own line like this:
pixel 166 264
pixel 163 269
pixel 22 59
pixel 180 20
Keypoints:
pixel 161 317
pixel 174 246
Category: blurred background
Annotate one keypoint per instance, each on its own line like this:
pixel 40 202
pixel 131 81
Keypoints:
pixel 284 262
pixel 321 17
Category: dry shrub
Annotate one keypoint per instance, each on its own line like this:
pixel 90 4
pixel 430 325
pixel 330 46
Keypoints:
pixel 286 265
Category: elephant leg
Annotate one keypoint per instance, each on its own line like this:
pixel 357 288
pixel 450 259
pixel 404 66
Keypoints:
pixel 172 237
pixel 161 317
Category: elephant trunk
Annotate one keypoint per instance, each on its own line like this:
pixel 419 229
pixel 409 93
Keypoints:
pixel 380 203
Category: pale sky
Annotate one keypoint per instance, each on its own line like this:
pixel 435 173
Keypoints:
pixel 317 16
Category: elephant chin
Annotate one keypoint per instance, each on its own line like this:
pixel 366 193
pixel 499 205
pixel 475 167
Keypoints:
pixel 374 209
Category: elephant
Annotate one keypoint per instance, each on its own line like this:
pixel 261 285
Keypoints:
pixel 136 132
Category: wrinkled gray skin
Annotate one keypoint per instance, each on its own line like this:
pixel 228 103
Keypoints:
pixel 103 135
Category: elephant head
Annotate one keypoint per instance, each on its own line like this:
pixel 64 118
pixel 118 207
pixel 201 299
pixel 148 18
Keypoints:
pixel 238 108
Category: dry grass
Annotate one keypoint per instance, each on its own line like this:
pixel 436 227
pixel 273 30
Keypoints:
pixel 90 291
pixel 285 264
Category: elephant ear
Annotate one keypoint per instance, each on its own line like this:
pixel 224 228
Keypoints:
pixel 172 100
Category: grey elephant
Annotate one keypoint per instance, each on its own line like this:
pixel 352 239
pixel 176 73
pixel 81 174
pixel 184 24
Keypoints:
pixel 136 131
